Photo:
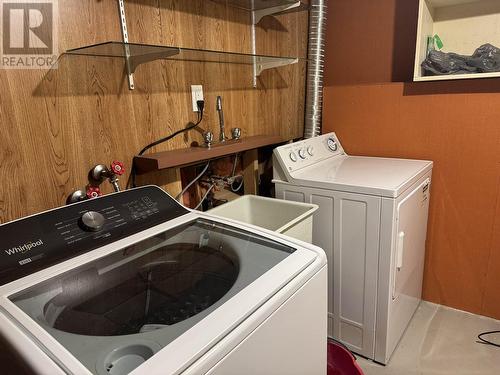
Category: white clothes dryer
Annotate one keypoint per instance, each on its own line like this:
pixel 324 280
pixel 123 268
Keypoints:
pixel 372 223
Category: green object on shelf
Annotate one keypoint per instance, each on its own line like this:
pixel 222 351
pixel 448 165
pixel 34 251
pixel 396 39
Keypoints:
pixel 430 45
pixel 438 41
pixel 433 42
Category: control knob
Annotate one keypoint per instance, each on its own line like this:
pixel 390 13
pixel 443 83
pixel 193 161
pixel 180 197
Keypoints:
pixel 302 153
pixel 92 221
pixel 292 156
pixel 118 168
pixel 93 192
pixel 310 150
pixel 332 144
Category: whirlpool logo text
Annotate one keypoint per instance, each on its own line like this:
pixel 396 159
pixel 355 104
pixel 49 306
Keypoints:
pixel 24 248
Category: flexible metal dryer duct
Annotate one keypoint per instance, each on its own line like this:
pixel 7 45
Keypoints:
pixel 315 68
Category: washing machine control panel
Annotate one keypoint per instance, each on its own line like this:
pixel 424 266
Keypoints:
pixel 302 154
pixel 37 242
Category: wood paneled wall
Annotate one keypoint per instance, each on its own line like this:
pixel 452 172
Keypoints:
pixel 375 109
pixel 55 125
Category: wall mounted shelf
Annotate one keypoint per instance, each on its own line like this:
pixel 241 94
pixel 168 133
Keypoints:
pixel 176 158
pixel 263 8
pixel 462 25
pixel 137 54
pixel 260 9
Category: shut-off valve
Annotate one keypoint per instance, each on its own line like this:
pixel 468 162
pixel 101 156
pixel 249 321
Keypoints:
pixel 101 172
pixel 97 176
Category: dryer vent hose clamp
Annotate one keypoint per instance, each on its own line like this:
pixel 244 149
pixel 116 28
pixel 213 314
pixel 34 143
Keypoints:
pixel 315 69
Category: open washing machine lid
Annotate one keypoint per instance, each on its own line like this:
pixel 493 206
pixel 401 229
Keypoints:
pixel 177 287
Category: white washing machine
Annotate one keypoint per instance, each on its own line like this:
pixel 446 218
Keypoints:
pixel 372 223
pixel 135 283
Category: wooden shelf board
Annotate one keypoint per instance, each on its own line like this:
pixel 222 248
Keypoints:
pixel 451 77
pixel 176 158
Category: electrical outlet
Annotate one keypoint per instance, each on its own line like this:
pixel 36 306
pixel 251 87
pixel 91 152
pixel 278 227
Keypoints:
pixel 197 94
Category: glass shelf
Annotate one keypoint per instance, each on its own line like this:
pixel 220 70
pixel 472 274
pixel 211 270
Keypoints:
pixel 252 5
pixel 262 8
pixel 138 54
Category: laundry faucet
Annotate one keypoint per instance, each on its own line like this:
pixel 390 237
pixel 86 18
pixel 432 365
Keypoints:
pixel 222 136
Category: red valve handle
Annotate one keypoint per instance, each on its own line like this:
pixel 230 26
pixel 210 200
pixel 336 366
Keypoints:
pixel 118 168
pixel 93 192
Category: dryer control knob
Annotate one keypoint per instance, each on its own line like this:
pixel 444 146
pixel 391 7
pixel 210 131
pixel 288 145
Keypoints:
pixel 92 221
pixel 302 153
pixel 310 150
pixel 332 144
pixel 292 156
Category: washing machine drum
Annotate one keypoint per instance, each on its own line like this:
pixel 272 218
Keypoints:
pixel 165 287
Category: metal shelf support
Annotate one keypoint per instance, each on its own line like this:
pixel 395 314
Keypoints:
pixel 262 64
pixel 123 24
pixel 261 13
pixel 257 15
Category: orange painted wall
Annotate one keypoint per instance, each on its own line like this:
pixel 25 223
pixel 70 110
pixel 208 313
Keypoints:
pixel 375 109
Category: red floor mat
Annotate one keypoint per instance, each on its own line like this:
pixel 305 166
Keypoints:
pixel 341 361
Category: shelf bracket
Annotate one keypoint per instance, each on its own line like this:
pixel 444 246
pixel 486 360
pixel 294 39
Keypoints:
pixel 263 64
pixel 135 61
pixel 259 65
pixel 261 13
pixel 123 24
pixel 254 50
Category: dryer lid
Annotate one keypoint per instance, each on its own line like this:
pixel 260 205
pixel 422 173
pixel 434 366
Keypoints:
pixel 365 175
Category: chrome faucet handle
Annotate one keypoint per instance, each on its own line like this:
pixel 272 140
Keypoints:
pixel 208 137
pixel 236 133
